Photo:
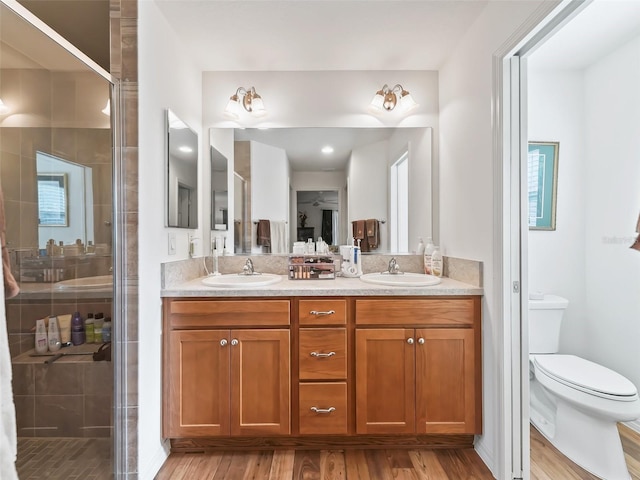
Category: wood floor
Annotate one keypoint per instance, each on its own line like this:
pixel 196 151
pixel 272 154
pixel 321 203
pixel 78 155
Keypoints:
pixel 546 464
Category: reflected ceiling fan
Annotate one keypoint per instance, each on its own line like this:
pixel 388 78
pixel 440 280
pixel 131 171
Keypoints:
pixel 321 200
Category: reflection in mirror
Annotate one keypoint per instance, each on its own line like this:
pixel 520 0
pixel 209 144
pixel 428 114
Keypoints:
pixel 283 168
pixel 182 174
pixel 65 190
pixel 318 216
pixel 219 191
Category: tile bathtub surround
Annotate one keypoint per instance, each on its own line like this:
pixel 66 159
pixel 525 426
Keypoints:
pixel 65 399
pixel 175 273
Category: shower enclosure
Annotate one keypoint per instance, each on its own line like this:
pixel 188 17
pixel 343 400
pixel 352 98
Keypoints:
pixel 56 164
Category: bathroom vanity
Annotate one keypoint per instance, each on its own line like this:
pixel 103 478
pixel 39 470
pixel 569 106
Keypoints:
pixel 321 363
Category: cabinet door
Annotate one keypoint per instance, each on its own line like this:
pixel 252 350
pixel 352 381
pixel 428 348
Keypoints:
pixel 198 403
pixel 385 381
pixel 445 381
pixel 260 382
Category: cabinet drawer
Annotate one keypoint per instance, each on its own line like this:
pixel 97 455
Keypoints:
pixel 330 400
pixel 436 311
pixel 234 313
pixel 323 353
pixel 322 312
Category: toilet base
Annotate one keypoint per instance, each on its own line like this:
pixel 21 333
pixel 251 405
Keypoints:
pixel 591 442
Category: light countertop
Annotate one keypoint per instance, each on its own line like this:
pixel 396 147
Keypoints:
pixel 319 288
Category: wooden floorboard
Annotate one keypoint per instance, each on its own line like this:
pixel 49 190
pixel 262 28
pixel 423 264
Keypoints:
pixel 547 463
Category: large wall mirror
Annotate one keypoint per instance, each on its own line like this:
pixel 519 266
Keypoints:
pixel 182 174
pixel 321 180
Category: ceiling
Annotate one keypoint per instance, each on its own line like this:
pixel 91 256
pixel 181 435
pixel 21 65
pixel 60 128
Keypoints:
pixel 308 35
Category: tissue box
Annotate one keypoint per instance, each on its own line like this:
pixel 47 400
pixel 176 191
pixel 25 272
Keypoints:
pixel 311 267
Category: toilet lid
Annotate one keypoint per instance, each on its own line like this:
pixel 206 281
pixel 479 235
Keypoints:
pixel 585 375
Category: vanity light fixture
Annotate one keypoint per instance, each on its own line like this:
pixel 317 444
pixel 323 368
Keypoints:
pixel 3 108
pixel 107 108
pixel 247 99
pixel 387 98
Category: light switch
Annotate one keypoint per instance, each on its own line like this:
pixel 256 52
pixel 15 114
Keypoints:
pixel 172 243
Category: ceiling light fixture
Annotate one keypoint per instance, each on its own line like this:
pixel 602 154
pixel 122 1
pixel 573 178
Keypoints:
pixel 327 149
pixel 247 99
pixel 387 98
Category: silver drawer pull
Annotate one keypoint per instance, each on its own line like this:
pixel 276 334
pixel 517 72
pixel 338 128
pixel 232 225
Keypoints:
pixel 329 312
pixel 316 354
pixel 323 410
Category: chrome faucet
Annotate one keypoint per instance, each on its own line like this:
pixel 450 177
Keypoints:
pixel 394 268
pixel 248 267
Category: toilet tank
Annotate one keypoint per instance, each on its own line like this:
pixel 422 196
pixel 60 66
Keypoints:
pixel 545 320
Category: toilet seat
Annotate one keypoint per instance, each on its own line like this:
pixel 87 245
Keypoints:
pixel 586 376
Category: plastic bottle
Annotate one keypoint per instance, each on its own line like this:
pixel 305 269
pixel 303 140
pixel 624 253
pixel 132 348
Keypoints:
pixel 88 329
pixel 54 335
pixel 420 250
pixel 41 337
pixel 77 329
pixel 436 262
pixel 428 251
pixel 106 330
pixel 97 327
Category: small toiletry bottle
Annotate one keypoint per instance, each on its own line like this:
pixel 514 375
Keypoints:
pixel 436 262
pixel 61 248
pixel 420 250
pixel 88 329
pixel 41 337
pixel 54 335
pixel 428 251
pixel 97 327
pixel 106 330
pixel 77 329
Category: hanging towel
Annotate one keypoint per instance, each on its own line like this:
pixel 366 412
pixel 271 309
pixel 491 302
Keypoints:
pixel 8 431
pixel 279 237
pixel 360 233
pixel 373 233
pixel 636 244
pixel 264 233
pixel 11 288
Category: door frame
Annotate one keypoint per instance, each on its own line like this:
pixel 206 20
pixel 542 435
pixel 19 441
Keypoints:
pixel 511 231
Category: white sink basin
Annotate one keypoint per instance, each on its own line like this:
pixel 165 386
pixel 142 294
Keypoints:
pixel 236 280
pixel 401 279
pixel 86 283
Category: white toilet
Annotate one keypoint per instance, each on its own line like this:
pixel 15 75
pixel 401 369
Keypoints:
pixel 576 403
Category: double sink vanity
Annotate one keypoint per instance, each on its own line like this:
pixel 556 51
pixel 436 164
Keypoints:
pixel 318 363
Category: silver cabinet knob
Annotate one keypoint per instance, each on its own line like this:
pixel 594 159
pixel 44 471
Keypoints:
pixel 234 342
pixel 421 341
pixel 410 341
pixel 223 342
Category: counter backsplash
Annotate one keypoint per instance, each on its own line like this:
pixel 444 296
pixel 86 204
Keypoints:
pixel 175 273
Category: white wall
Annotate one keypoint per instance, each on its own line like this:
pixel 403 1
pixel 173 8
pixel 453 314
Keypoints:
pixel 169 80
pixel 612 204
pixel 368 180
pixel 466 183
pixel 269 196
pixel 557 258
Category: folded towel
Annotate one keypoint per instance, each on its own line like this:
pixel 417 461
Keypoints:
pixel 279 237
pixel 264 233
pixel 360 233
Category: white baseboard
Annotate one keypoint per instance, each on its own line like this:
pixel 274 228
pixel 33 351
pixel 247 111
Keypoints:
pixel 633 425
pixel 485 456
pixel 155 464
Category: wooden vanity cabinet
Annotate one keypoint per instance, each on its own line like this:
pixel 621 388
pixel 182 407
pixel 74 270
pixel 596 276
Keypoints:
pixel 224 381
pixel 418 366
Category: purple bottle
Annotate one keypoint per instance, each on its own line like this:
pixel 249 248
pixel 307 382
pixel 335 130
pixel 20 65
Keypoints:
pixel 77 329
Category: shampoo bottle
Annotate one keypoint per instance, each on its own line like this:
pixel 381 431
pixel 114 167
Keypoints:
pixel 54 335
pixel 428 251
pixel 420 250
pixel 41 337
pixel 77 329
pixel 436 262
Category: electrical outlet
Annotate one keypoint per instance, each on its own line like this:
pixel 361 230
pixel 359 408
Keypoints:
pixel 172 243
